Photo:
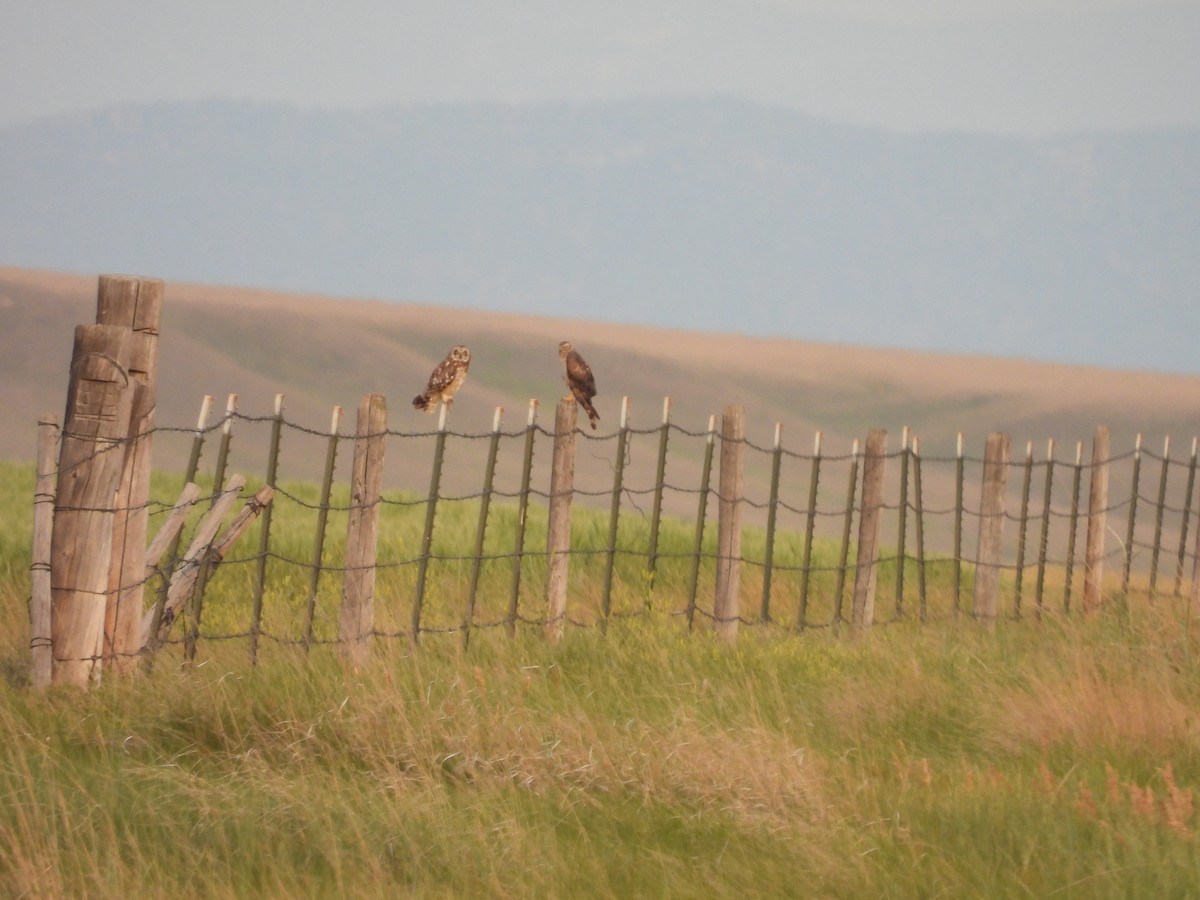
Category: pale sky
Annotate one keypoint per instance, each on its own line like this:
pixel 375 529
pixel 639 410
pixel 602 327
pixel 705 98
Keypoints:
pixel 999 66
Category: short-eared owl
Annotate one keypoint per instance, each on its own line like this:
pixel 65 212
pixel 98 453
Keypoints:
pixel 579 378
pixel 445 381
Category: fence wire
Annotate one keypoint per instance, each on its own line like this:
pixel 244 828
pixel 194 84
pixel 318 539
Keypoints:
pixel 640 524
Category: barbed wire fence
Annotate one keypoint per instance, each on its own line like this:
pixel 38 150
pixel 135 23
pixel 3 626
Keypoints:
pixel 870 536
pixel 801 564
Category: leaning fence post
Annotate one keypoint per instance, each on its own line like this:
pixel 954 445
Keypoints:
pixel 1069 574
pixel 871 518
pixel 264 534
pixel 729 523
pixel 992 506
pixel 356 619
pixel 1093 572
pixel 136 304
pixel 485 501
pixel 615 513
pixel 314 579
pixel 701 513
pixel 1183 524
pixel 514 597
pixel 89 466
pixel 39 569
pixel 772 509
pixel 659 484
pixel 435 488
pixel 562 480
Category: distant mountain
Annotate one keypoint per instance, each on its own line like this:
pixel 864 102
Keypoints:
pixel 715 215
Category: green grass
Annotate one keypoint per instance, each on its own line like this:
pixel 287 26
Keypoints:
pixel 1058 758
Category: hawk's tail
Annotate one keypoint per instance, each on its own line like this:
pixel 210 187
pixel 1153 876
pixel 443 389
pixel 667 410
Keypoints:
pixel 593 416
pixel 421 402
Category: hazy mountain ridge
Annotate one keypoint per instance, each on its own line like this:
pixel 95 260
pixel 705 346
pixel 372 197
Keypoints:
pixel 714 215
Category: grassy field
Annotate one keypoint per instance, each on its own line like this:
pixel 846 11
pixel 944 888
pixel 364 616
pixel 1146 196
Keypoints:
pixel 1048 759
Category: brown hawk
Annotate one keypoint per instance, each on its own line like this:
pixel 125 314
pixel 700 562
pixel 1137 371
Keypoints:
pixel 445 381
pixel 579 378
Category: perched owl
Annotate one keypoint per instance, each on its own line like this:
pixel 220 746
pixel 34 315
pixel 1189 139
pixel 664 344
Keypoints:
pixel 445 381
pixel 579 378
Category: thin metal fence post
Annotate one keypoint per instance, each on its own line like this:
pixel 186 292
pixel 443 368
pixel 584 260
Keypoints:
pixel 1022 529
pixel 1158 516
pixel 485 501
pixel 844 558
pixel 1044 542
pixel 919 517
pixel 958 524
pixel 1184 521
pixel 435 484
pixel 522 513
pixel 314 581
pixel 698 540
pixel 656 512
pixel 615 514
pixel 189 475
pixel 195 606
pixel 1070 568
pixel 264 534
pixel 1133 502
pixel 772 507
pixel 809 527
pixel 902 512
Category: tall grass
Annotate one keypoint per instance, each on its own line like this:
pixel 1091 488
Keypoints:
pixel 1057 758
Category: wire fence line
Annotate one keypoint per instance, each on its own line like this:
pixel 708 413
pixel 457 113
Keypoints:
pixel 467 555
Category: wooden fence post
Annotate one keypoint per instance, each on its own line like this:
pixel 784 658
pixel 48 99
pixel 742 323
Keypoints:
pixel 867 570
pixel 314 578
pixel 729 523
pixel 39 569
pixel 772 514
pixel 357 616
pixel 431 505
pixel 1093 570
pixel 659 485
pixel 90 462
pixel 992 506
pixel 264 534
pixel 136 304
pixel 562 481
pixel 514 595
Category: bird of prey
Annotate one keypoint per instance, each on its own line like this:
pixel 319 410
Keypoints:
pixel 579 378
pixel 445 381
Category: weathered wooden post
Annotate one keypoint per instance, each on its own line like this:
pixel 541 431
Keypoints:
pixel 357 616
pixel 729 523
pixel 772 514
pixel 870 520
pixel 39 568
pixel 514 595
pixel 90 462
pixel 562 482
pixel 1093 566
pixel 992 506
pixel 136 304
pixel 314 578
